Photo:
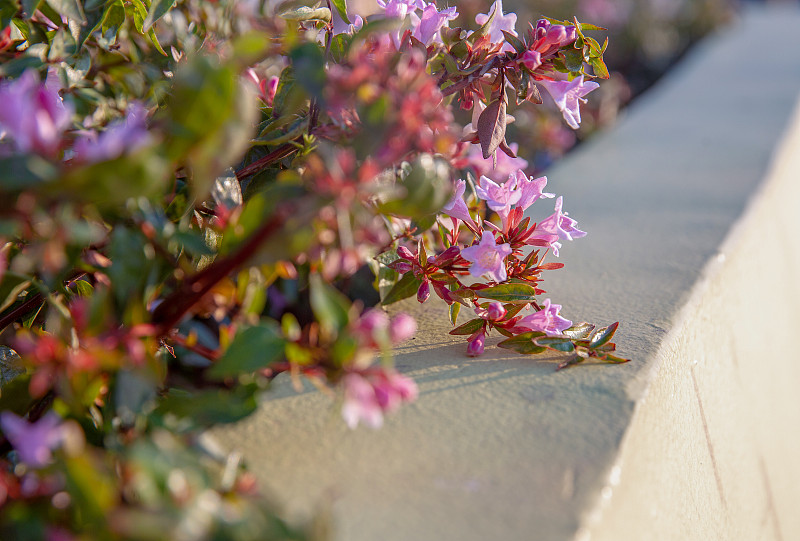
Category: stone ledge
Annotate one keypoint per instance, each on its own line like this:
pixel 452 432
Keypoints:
pixel 504 447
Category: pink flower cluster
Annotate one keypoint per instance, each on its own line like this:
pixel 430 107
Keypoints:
pixel 369 395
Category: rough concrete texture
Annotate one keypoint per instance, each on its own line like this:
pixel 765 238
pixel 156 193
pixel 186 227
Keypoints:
pixel 504 447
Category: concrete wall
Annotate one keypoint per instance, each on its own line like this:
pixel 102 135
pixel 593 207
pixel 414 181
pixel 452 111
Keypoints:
pixel 692 206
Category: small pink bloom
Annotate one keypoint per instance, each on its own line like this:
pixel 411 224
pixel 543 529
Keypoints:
pixel 488 258
pixel 475 345
pixel 531 189
pixel 400 8
pixel 426 28
pixel 424 291
pixel 457 207
pixel 33 441
pixel 33 115
pixel 121 136
pixel 368 396
pixel 402 327
pixel 494 312
pixel 499 197
pixel 546 320
pixel 530 59
pixel 500 22
pixel 568 95
pixel 557 225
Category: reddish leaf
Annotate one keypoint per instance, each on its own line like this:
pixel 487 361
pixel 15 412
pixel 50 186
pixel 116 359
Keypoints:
pixel 492 127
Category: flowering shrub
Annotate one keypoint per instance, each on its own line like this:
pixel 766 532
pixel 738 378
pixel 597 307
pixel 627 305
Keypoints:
pixel 193 195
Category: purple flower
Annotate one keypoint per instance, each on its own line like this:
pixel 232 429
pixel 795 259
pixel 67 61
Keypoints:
pixel 457 207
pixel 402 327
pixel 426 28
pixel 499 23
pixel 367 397
pixel 400 8
pixel 125 135
pixel 531 189
pixel 499 197
pixel 33 115
pixel 546 320
pixel 557 225
pixel 488 258
pixel 506 165
pixel 495 311
pixel 476 343
pixel 530 59
pixel 33 441
pixel 567 95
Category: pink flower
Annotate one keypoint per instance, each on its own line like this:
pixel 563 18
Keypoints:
pixel 568 95
pixel 546 320
pixel 531 189
pixel 486 167
pixel 121 136
pixel 33 115
pixel 488 258
pixel 457 207
pixel 33 441
pixel 402 327
pixel 499 23
pixel 426 28
pixel 557 225
pixel 530 59
pixel 368 396
pixel 494 312
pixel 548 38
pixel 476 343
pixel 499 197
pixel 400 8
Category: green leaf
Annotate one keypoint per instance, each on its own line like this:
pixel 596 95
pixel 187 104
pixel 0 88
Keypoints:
pixel 573 60
pixel 514 293
pixel 23 171
pixel 556 343
pixel 11 286
pixel 455 308
pixel 331 308
pixel 515 42
pixel 523 343
pixel 158 8
pixel 30 7
pixel 485 27
pixel 404 288
pixel 252 349
pixel 341 8
pixel 424 190
pixel 73 9
pixel 208 408
pixel 470 327
pixel 599 67
pixel 603 335
pixel 309 68
pixel 609 358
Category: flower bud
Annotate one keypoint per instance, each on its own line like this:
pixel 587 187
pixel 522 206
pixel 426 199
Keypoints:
pixel 424 291
pixel 496 311
pixel 475 345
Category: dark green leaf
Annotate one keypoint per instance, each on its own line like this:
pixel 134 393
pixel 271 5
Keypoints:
pixel 523 343
pixel 557 343
pixel 21 171
pixel 252 349
pixel 208 408
pixel 11 286
pixel 158 8
pixel 470 327
pixel 515 42
pixel 404 288
pixel 341 8
pixel 514 293
pixel 331 308
pixel 603 335
pixel 30 7
pixel 455 308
